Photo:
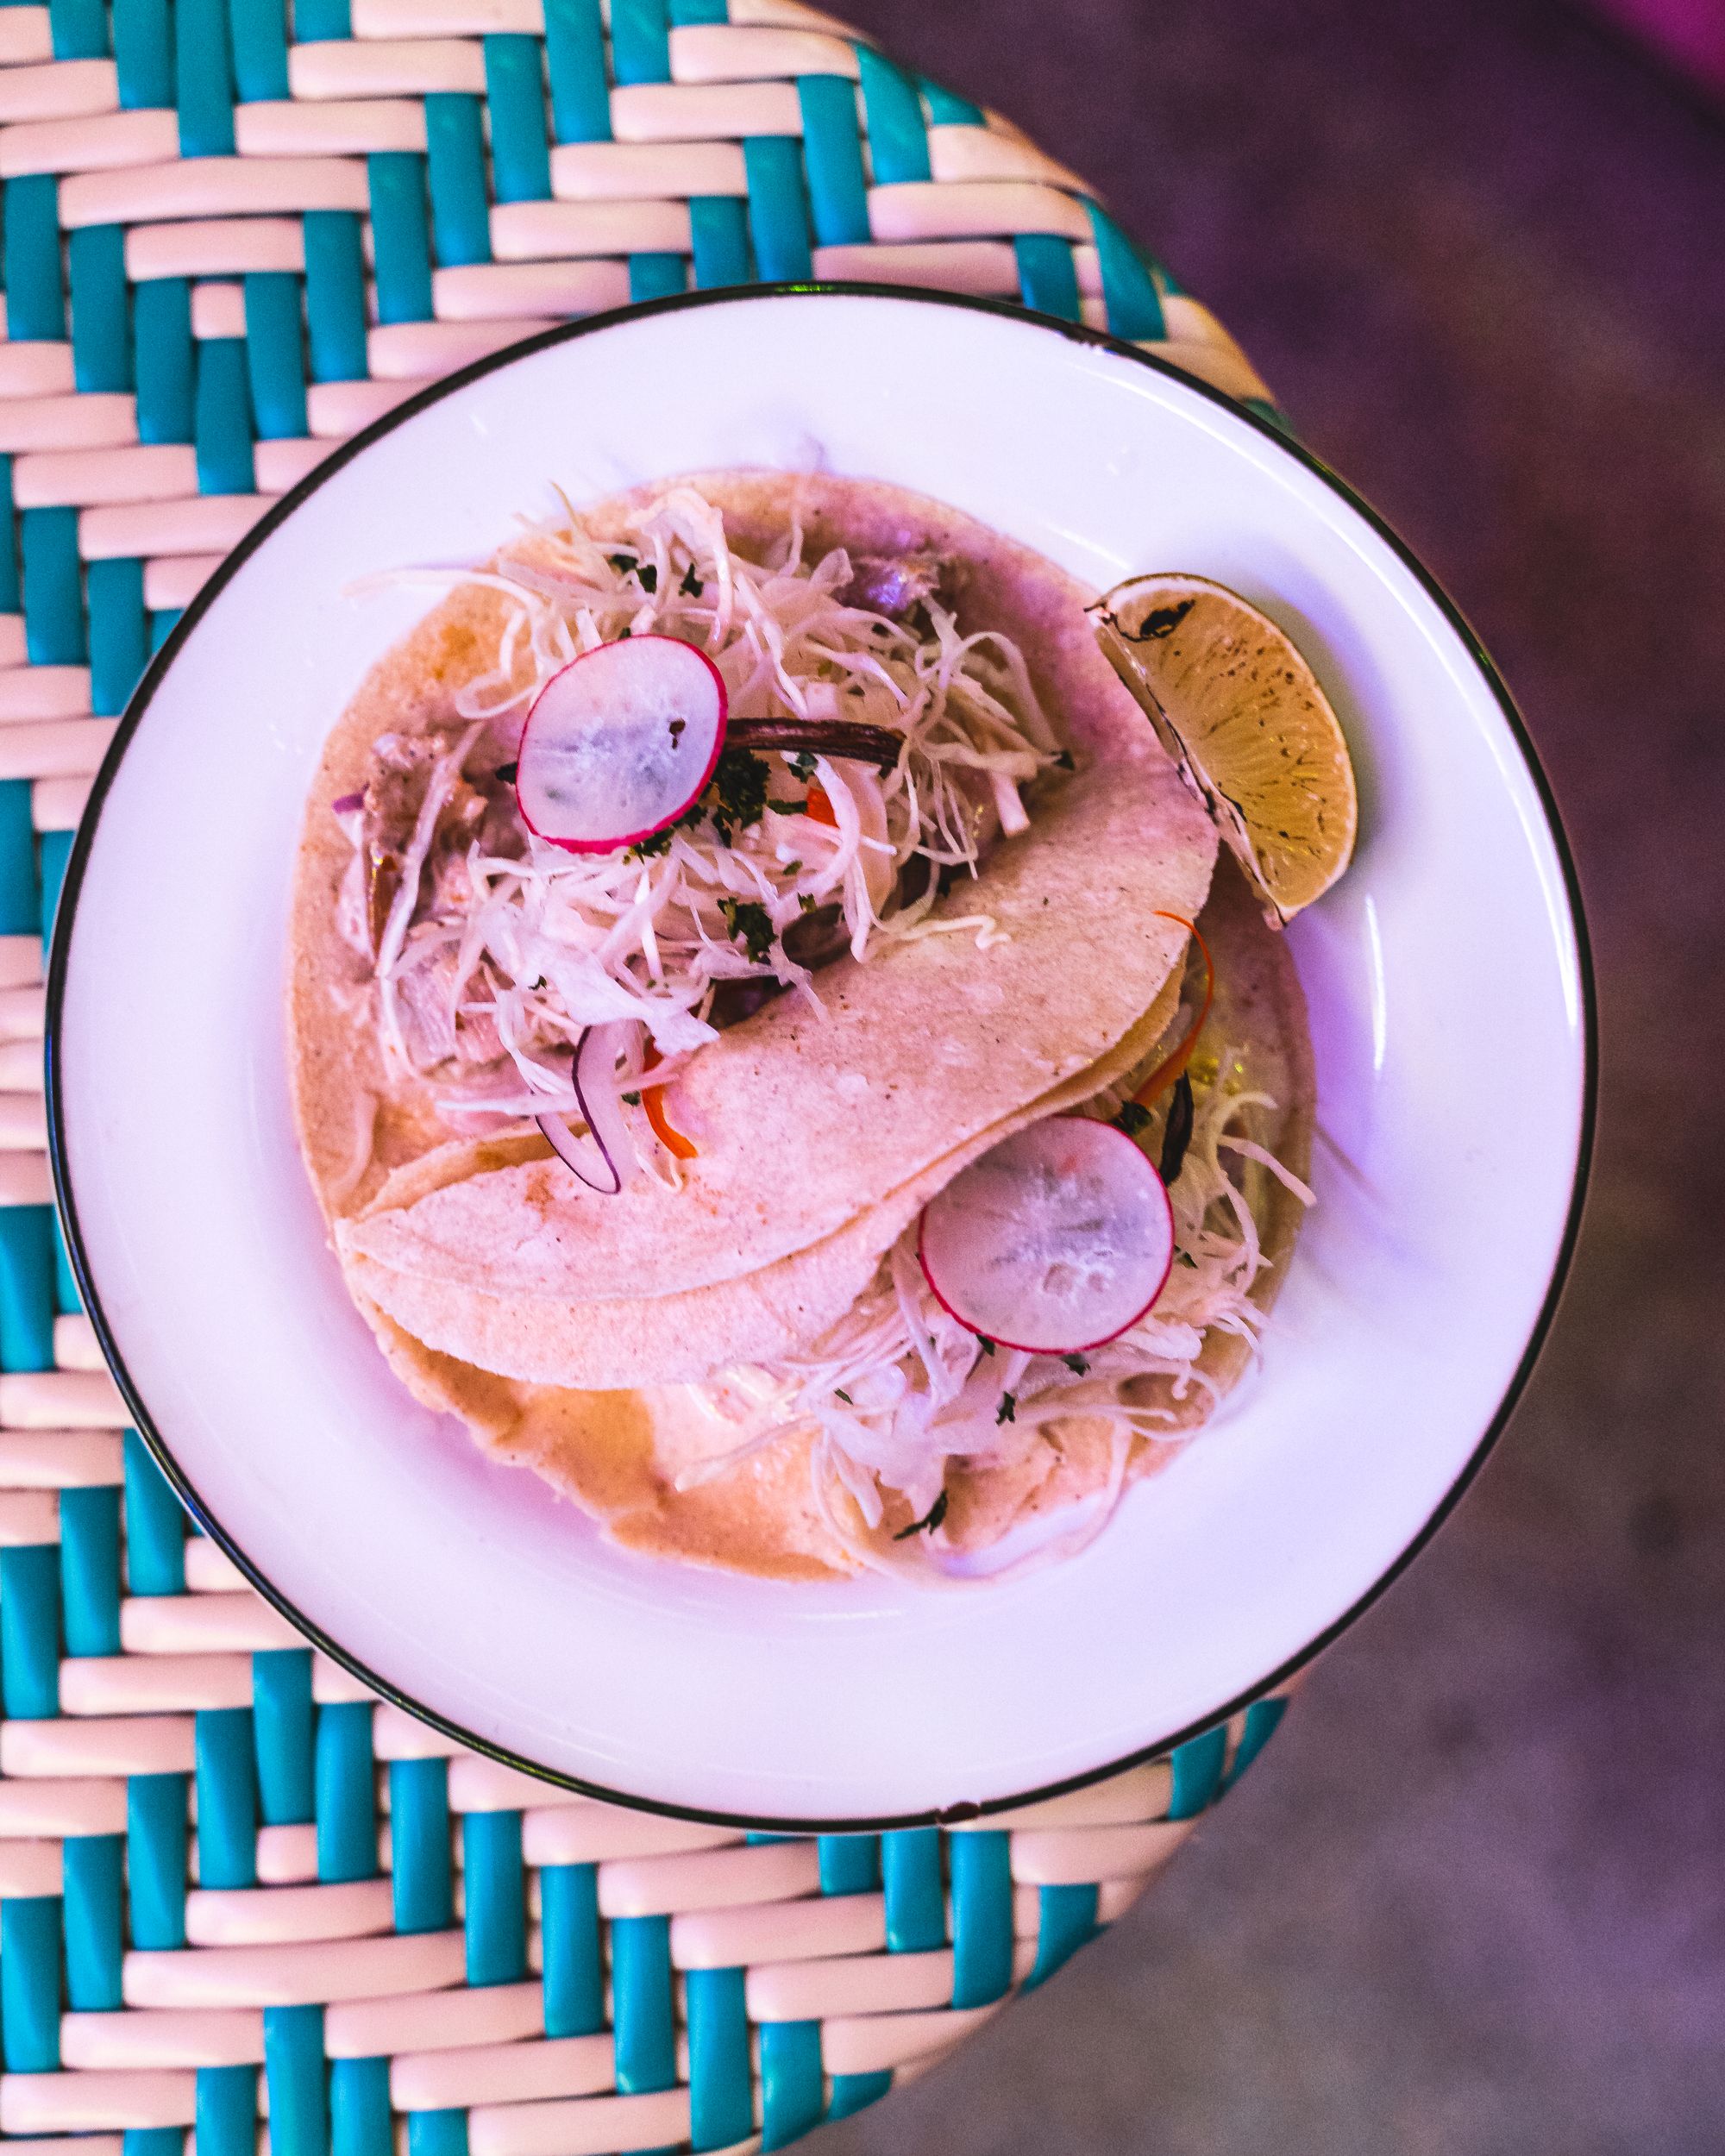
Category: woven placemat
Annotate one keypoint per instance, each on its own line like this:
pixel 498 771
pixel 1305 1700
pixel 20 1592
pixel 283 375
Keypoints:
pixel 233 1885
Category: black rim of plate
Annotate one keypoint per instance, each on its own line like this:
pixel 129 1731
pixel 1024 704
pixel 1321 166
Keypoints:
pixel 1075 333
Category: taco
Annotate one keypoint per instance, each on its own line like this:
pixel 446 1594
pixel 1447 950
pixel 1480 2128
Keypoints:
pixel 803 1011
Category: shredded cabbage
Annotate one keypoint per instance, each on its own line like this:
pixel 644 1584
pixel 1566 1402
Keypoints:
pixel 898 1388
pixel 487 978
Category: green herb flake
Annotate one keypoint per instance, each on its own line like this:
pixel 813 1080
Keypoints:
pixel 929 1520
pixel 803 764
pixel 787 808
pixel 690 587
pixel 1008 1410
pixel 985 1344
pixel 805 900
pixel 633 1099
pixel 1075 1364
pixel 648 576
pixel 752 926
pixel 839 1393
pixel 623 563
pixel 1132 1119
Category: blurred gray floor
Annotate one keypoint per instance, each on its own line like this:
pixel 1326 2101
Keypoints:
pixel 1469 1902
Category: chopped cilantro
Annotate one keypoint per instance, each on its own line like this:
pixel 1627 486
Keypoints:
pixel 751 925
pixel 1075 1364
pixel 627 630
pixel 806 903
pixel 633 1099
pixel 1008 1411
pixel 839 1392
pixel 623 563
pixel 931 1520
pixel 803 764
pixel 1132 1119
pixel 792 867
pixel 787 808
pixel 690 587
pixel 648 576
pixel 985 1344
pixel 740 783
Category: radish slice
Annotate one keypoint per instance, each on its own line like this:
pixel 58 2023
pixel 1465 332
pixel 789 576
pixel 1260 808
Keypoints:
pixel 602 1159
pixel 620 743
pixel 1056 1241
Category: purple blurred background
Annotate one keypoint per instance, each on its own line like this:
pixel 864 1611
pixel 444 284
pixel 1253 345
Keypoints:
pixel 1470 1900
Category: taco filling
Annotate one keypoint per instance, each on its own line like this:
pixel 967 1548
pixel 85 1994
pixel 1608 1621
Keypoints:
pixel 708 1171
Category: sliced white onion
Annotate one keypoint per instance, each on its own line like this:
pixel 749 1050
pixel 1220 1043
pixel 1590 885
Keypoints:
pixel 620 743
pixel 1056 1241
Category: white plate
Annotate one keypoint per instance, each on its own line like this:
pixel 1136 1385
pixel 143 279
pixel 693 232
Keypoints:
pixel 1446 983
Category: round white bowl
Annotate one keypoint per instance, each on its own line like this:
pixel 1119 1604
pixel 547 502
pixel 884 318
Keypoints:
pixel 1447 976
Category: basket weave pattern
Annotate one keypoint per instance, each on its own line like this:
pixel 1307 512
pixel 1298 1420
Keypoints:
pixel 233 1886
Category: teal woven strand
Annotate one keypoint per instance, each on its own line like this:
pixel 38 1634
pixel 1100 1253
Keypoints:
pixel 78 29
pixel 67 1300
pixel 143 54
pixel 456 169
pixel 684 12
pixel 203 83
pixel 226 2103
pixel 721 2096
pixel 778 207
pixel 833 154
pixel 227 1784
pixel 94 1873
pixel 53 851
pixel 574 1953
pixel 336 296
pixel 437 2134
pixel 850 1864
pixel 495 1884
pixel 641 2007
pixel 119 635
pixel 346 1803
pixel 916 1899
pixel 21 901
pixel 26 1302
pixel 1048 278
pixel 162 623
pixel 1129 287
pixel 1262 1718
pixel 29 1982
pixel 320 22
pixel 259 31
pixel 1066 1919
pixel 898 139
pixel 947 109
pixel 792 2094
pixel 294 2074
pixel 36 301
pixel 574 59
pixel 856 2092
pixel 655 276
pixel 719 227
pixel 101 325
pixel 52 589
pixel 89 1571
pixel 283 1721
pixel 8 543
pixel 982 1916
pixel 640 42
pixel 30 1631
pixel 161 323
pixel 401 238
pixel 1197 1773
pixel 422 1877
pixel 155 1527
pixel 275 354
pixel 223 429
pixel 360 2119
pixel 153 2140
pixel 158 1829
pixel 515 90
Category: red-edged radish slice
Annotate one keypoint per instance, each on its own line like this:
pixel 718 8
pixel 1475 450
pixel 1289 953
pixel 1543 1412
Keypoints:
pixel 1056 1241
pixel 620 743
